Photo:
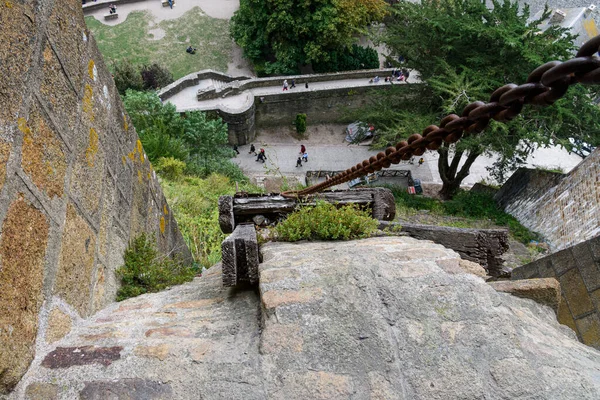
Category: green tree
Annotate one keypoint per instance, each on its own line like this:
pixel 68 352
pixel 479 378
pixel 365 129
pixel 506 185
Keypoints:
pixel 463 51
pixel 193 138
pixel 286 34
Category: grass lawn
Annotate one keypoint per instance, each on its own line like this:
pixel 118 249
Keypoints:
pixel 132 40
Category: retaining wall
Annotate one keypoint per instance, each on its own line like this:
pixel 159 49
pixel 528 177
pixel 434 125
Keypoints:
pixel 564 209
pixel 75 183
pixel 577 269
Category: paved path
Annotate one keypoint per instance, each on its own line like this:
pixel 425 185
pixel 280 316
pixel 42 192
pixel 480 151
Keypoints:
pixel 186 100
pixel 281 161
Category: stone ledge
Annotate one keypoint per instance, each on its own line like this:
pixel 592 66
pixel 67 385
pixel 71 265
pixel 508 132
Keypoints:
pixel 544 291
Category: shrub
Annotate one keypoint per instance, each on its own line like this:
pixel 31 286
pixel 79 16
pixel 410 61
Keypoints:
pixel 356 57
pixel 146 271
pixel 326 222
pixel 300 123
pixel 127 76
pixel 170 168
pixel 155 76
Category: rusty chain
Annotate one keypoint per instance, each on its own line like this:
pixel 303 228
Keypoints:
pixel 544 86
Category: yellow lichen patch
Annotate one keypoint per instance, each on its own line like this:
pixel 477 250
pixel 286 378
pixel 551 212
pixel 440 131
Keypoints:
pixel 92 149
pixel 162 224
pixel 87 101
pixel 140 149
pixel 91 69
pixel 148 175
pixel 124 159
pixel 43 158
pixel 165 210
pixel 125 124
pixel 140 177
pixel 8 4
pixel 131 155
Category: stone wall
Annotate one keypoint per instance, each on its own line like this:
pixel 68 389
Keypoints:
pixel 75 183
pixel 577 269
pixel 564 209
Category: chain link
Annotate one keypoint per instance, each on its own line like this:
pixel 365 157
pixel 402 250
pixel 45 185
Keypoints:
pixel 545 85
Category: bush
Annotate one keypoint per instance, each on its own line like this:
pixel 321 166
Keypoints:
pixel 349 60
pixel 326 222
pixel 155 76
pixel 146 271
pixel 170 168
pixel 300 123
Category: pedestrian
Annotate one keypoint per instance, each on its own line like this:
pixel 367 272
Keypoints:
pixel 302 149
pixel 252 149
pixel 305 157
pixel 171 4
pixel 235 148
pixel 112 9
pixel 306 85
pixel 299 162
pixel 293 84
pixel 285 85
pixel 421 161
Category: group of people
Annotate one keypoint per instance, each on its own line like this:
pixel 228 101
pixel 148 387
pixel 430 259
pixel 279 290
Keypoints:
pixel 260 156
pixel 303 156
pixel 397 75
pixel 293 85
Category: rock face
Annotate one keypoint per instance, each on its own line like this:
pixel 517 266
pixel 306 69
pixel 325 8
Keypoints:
pixel 381 318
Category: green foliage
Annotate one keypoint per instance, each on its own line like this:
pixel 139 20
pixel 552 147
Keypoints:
pixel 146 271
pixel 282 35
pixel 466 204
pixel 170 168
pixel 300 123
pixel 463 51
pixel 195 204
pixel 144 77
pixel 126 76
pixel 133 40
pixel 194 138
pixel 356 57
pixel 326 222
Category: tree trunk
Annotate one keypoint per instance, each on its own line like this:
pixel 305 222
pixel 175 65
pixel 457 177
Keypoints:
pixel 448 172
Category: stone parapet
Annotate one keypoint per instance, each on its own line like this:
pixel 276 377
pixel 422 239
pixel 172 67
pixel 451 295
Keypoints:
pixel 75 183
pixel 577 269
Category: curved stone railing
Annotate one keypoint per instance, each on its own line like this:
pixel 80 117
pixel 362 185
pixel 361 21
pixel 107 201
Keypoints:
pixel 193 79
pixel 91 5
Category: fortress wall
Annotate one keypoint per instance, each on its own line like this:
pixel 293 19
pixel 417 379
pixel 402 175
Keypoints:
pixel 565 209
pixel 75 183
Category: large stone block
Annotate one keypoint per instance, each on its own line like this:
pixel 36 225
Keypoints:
pixel 575 292
pixel 545 291
pixel 43 155
pixel 59 325
pixel 17 38
pixel 22 250
pixel 76 263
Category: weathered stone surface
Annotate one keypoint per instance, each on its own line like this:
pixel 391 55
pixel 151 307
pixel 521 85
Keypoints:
pixel 22 250
pixel 65 357
pixel 59 324
pixel 226 219
pixel 76 263
pixel 380 318
pixel 472 268
pixel 41 391
pixel 130 389
pixel 545 291
pixel 384 205
pixel 240 256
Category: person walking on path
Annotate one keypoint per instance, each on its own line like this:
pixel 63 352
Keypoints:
pixel 305 157
pixel 235 148
pixel 306 85
pixel 285 85
pixel 252 149
pixel 299 162
pixel 261 156
pixel 421 161
pixel 171 4
pixel 293 84
pixel 302 149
